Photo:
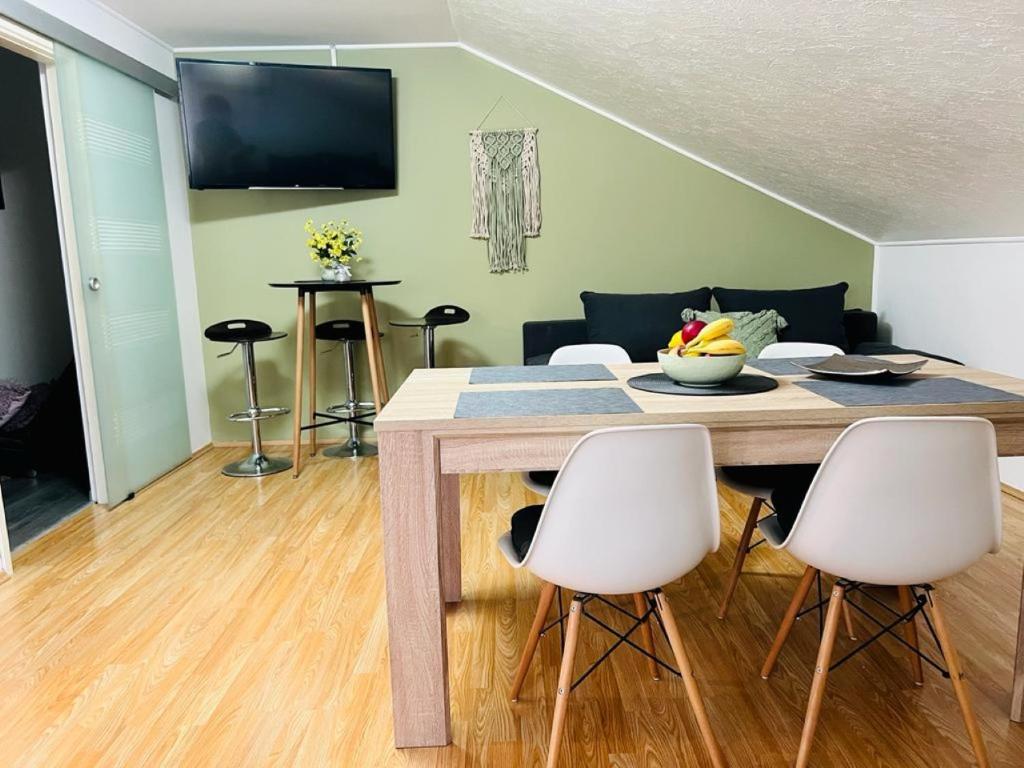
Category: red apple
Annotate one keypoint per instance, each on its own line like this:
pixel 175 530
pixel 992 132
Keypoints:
pixel 691 329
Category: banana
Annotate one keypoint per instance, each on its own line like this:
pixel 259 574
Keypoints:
pixel 713 330
pixel 722 346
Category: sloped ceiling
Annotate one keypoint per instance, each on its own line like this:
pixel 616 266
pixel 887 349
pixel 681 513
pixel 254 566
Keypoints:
pixel 185 23
pixel 897 119
pixel 900 120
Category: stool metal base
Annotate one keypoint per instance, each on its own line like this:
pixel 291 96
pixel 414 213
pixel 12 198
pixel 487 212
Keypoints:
pixel 256 465
pixel 351 449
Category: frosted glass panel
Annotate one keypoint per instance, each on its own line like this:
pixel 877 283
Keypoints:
pixel 117 194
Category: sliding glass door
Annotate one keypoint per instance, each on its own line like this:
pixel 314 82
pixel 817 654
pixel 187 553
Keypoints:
pixel 120 229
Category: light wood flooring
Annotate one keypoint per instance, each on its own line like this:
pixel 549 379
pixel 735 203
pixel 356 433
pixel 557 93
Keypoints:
pixel 221 622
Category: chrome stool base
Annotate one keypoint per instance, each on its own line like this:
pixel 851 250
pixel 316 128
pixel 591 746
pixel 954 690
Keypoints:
pixel 256 465
pixel 351 449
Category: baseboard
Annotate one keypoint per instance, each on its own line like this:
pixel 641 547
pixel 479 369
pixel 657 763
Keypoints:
pixel 205 449
pixel 1015 493
pixel 276 443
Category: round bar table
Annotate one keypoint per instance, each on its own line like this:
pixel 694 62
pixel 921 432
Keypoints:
pixel 305 327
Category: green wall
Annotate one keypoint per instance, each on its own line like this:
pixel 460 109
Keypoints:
pixel 621 213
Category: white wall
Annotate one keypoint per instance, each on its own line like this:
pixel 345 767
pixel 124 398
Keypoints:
pixel 962 300
pixel 98 21
pixel 172 159
pixel 35 332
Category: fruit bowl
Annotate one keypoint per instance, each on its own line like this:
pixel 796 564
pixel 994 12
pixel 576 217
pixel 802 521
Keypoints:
pixel 701 370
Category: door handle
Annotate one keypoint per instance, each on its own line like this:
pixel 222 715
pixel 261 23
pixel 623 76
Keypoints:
pixel 94 283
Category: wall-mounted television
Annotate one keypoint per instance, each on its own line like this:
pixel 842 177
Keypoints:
pixel 287 126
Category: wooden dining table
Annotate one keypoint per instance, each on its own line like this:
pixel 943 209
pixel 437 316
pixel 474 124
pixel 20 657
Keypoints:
pixel 424 448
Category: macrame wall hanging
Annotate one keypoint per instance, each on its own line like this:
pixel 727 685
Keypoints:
pixel 506 193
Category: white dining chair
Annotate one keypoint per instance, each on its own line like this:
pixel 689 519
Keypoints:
pixel 574 354
pixel 901 502
pixel 621 520
pixel 761 494
pixel 798 349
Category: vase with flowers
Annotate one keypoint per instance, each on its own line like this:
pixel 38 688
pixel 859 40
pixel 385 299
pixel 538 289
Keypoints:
pixel 334 246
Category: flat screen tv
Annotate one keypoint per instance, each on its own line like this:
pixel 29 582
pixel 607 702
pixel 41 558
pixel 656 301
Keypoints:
pixel 287 126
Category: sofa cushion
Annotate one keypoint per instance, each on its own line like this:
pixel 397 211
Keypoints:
pixel 640 323
pixel 754 330
pixel 813 314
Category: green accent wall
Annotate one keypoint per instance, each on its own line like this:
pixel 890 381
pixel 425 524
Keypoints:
pixel 621 213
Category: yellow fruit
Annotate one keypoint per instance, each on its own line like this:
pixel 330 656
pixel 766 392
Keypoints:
pixel 723 346
pixel 712 330
pixel 676 340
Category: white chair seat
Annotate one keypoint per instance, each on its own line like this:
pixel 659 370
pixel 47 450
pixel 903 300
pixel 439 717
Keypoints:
pixel 509 551
pixel 538 481
pixel 772 531
pixel 757 491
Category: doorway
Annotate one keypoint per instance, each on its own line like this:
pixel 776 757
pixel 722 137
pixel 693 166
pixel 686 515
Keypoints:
pixel 44 467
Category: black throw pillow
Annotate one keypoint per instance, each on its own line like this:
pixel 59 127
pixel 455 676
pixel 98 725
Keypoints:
pixel 640 323
pixel 813 314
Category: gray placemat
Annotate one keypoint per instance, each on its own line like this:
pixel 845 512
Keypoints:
pixel 744 384
pixel 926 391
pixel 783 366
pixel 525 374
pixel 543 402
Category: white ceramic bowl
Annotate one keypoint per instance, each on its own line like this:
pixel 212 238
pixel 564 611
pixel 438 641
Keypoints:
pixel 702 370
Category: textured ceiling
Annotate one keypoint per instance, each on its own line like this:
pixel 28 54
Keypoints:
pixel 183 23
pixel 898 119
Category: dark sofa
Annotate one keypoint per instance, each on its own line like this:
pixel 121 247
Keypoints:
pixel 542 337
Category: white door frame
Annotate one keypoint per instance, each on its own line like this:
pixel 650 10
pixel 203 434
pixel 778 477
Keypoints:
pixel 23 41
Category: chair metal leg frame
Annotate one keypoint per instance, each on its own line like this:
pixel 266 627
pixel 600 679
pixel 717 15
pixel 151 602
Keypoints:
pixel 356 413
pixel 656 605
pixel 258 464
pixel 643 617
pixel 916 604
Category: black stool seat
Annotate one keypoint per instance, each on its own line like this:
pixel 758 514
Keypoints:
pixel 446 314
pixel 239 331
pixel 342 330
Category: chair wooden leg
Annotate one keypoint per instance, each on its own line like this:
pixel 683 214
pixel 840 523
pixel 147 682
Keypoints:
pixel 741 555
pixel 956 676
pixel 828 640
pixel 547 594
pixel 690 682
pixel 910 634
pixel 564 682
pixel 640 606
pixel 848 621
pixel 806 581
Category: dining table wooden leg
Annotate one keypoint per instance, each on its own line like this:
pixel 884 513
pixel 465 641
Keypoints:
pixel 410 490
pixel 311 314
pixel 372 348
pixel 300 332
pixel 1017 697
pixel 451 538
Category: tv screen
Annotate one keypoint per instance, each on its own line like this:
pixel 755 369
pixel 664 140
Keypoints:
pixel 283 125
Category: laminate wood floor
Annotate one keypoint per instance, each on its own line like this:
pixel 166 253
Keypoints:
pixel 33 505
pixel 222 622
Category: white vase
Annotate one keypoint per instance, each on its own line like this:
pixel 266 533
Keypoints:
pixel 337 273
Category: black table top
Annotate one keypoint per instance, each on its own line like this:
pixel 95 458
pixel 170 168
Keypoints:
pixel 316 286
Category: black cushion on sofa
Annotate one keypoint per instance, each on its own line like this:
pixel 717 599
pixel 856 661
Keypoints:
pixel 640 323
pixel 813 314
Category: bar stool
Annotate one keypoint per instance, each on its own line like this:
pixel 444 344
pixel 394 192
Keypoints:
pixel 245 333
pixel 347 333
pixel 446 314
